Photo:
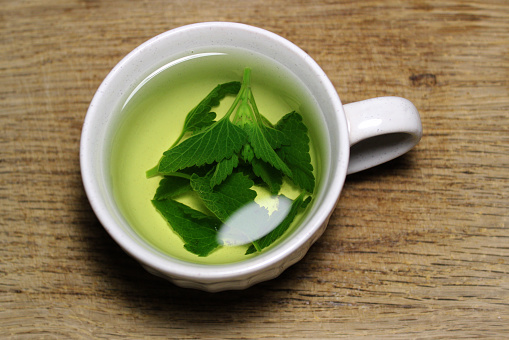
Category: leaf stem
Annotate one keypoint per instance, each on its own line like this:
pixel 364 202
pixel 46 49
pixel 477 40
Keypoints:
pixel 153 172
pixel 258 116
pixel 257 246
pixel 246 86
pixel 178 174
pixel 246 79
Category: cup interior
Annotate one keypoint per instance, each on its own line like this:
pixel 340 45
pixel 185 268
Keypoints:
pixel 103 118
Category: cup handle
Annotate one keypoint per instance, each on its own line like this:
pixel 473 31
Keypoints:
pixel 381 129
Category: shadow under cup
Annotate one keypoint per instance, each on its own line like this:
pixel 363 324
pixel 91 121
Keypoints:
pixel 328 129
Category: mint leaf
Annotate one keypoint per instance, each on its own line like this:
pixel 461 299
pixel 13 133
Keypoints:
pixel 221 140
pixel 224 199
pixel 263 150
pixel 197 230
pixel 199 170
pixel 269 175
pixel 296 154
pixel 271 237
pixel 200 116
pixel 223 170
pixel 275 137
pixel 172 186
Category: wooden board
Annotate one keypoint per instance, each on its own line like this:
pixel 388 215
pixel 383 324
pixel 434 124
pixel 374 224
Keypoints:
pixel 416 249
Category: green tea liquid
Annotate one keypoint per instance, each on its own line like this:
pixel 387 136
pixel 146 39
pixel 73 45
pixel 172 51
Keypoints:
pixel 153 119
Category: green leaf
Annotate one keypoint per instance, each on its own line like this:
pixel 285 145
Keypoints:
pixel 200 116
pixel 263 150
pixel 271 237
pixel 199 170
pixel 224 199
pixel 247 153
pixel 296 154
pixel 197 230
pixel 221 140
pixel 269 175
pixel 223 170
pixel 275 137
pixel 172 186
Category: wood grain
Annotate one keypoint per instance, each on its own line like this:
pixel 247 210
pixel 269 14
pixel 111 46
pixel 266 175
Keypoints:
pixel 416 249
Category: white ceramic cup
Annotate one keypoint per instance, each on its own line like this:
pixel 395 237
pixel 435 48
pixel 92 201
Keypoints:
pixel 358 136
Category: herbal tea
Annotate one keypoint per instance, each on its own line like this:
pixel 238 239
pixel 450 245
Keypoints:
pixel 240 168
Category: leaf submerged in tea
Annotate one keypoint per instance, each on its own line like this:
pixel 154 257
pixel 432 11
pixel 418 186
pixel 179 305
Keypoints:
pixel 222 161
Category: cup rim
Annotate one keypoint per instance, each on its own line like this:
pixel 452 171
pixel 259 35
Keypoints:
pixel 155 259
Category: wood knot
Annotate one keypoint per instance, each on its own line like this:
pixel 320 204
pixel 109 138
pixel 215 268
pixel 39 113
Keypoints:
pixel 423 79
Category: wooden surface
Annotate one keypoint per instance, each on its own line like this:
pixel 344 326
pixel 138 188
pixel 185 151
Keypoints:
pixel 416 249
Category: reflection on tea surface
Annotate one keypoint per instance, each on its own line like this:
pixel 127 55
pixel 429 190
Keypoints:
pixel 252 221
